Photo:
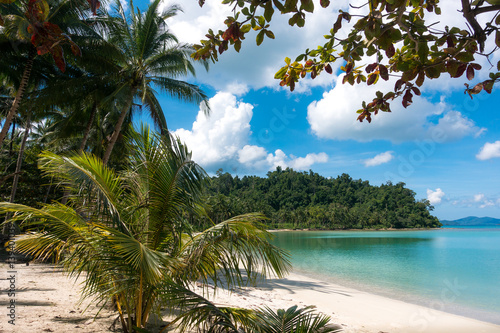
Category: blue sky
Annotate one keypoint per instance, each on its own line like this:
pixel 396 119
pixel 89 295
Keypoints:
pixel 445 147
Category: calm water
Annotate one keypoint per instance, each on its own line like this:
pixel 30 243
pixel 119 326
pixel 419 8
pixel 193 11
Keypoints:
pixel 456 270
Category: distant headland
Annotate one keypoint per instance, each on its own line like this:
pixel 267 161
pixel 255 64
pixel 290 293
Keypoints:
pixel 472 221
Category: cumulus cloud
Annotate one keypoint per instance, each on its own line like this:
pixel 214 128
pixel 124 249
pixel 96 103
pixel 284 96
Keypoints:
pixel 255 65
pixel 222 140
pixel 435 197
pixel 379 159
pixel 334 117
pixel 489 150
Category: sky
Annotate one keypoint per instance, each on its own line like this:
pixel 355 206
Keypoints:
pixel 445 146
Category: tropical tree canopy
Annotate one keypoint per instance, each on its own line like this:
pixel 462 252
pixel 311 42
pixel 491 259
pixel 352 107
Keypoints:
pixel 384 38
pixel 147 57
pixel 128 233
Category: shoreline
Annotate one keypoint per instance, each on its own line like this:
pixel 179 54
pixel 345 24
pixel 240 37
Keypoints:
pixel 355 310
pixel 47 301
pixel 388 229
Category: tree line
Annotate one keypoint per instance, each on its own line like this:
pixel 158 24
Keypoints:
pixel 292 199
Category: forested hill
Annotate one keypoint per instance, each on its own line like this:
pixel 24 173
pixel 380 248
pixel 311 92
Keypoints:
pixel 294 199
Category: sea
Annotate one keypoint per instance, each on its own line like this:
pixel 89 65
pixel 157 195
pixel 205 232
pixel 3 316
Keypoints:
pixel 454 269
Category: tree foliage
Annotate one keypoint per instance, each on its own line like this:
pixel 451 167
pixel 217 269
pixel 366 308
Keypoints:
pixel 294 199
pixel 388 38
pixel 127 233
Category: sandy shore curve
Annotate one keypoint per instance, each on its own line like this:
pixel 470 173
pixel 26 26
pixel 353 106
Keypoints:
pixel 46 300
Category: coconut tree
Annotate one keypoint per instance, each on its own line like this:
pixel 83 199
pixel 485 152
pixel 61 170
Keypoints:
pixel 148 57
pixel 26 27
pixel 128 234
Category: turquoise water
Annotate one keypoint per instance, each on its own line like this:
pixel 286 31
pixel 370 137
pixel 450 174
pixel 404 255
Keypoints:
pixel 455 270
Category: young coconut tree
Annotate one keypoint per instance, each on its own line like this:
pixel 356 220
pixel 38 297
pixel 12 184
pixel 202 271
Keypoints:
pixel 126 233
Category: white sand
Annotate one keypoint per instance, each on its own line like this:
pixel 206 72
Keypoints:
pixel 47 301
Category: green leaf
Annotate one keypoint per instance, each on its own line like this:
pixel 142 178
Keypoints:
pixel 307 5
pixel 464 57
pixel 246 28
pixel 269 34
pixel 324 3
pixel 497 38
pixel 269 11
pixel 260 37
pixel 279 74
pixel 261 20
pixel 237 45
pixel 493 2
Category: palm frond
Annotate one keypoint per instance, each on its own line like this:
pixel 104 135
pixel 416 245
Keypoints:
pixel 234 253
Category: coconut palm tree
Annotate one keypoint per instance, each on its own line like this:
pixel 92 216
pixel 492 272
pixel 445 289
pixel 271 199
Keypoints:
pixel 23 26
pixel 148 57
pixel 128 234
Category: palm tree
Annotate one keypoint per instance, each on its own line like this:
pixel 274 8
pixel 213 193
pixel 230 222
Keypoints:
pixel 148 56
pixel 293 319
pixel 128 233
pixel 17 41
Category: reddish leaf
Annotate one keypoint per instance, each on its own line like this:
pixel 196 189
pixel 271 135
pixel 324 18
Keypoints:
pixel 372 78
pixel 371 67
pixel 390 51
pixel 38 10
pixel 95 4
pixel 460 70
pixel 416 91
pixel 470 72
pixel 449 41
pixel 420 79
pixel 58 56
pixel 384 73
pixel 328 69
pixel 407 99
pixel 398 85
pixel 314 73
pixel 338 24
pixel 488 86
pixel 475 66
pixel 348 67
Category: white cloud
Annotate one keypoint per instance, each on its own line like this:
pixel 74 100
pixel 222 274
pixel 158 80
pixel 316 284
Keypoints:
pixel 489 150
pixel 254 66
pixel 222 140
pixel 304 163
pixel 334 117
pixel 435 197
pixel 483 201
pixel 478 197
pixel 379 159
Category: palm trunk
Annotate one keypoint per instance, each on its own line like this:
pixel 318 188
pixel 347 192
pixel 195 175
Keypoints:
pixel 12 138
pixel 89 126
pixel 18 170
pixel 19 95
pixel 66 194
pixel 118 127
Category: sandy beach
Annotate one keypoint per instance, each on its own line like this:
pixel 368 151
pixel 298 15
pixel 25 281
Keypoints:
pixel 46 300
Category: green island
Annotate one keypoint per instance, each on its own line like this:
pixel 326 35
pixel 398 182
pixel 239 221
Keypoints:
pixel 307 200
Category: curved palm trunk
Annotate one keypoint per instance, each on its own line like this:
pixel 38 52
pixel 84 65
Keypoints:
pixel 118 126
pixel 19 95
pixel 18 170
pixel 12 138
